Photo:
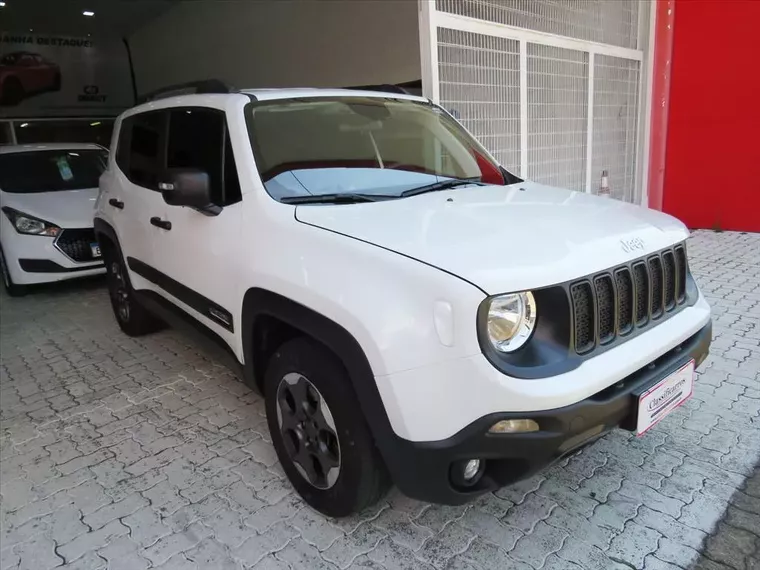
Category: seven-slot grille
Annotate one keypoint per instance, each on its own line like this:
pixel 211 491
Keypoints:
pixel 77 244
pixel 612 303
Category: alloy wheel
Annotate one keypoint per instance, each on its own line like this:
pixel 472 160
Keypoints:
pixel 120 294
pixel 308 430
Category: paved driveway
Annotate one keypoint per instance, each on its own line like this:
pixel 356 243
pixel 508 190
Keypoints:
pixel 138 453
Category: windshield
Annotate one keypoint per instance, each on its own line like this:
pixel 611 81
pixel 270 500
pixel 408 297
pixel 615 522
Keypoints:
pixel 51 170
pixel 362 145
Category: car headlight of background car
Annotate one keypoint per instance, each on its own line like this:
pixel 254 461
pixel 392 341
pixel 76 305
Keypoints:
pixel 511 320
pixel 26 224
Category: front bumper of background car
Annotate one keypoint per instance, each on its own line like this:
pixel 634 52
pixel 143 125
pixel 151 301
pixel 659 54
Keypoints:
pixel 426 470
pixel 37 259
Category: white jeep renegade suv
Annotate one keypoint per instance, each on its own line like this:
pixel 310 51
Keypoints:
pixel 412 312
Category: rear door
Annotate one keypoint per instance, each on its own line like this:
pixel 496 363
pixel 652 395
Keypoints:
pixel 199 256
pixel 131 197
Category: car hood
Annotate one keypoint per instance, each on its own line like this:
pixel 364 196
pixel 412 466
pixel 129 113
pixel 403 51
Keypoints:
pixel 67 208
pixel 505 238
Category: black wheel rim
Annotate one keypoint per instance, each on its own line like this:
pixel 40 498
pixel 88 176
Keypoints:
pixel 308 430
pixel 119 292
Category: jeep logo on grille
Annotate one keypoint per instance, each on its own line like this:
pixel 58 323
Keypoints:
pixel 631 245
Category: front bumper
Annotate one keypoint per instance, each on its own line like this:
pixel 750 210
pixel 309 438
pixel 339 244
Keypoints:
pixel 422 470
pixel 36 259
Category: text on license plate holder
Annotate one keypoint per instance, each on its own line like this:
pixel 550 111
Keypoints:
pixel 664 397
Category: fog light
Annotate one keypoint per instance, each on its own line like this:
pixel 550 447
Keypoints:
pixel 466 473
pixel 514 426
pixel 471 469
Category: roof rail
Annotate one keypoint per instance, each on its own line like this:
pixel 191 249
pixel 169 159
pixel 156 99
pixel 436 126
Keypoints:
pixel 192 87
pixel 385 88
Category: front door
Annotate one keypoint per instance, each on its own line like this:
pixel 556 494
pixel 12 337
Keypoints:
pixel 197 252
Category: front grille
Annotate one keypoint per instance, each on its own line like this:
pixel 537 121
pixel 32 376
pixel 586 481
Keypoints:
pixel 583 302
pixel 680 270
pixel 77 244
pixel 605 294
pixel 610 304
pixel 641 284
pixel 625 300
pixel 655 278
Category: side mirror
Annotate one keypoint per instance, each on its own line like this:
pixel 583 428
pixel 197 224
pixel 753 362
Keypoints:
pixel 188 187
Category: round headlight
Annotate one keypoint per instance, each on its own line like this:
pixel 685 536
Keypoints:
pixel 511 320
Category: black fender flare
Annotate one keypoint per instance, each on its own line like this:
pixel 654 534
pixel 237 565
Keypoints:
pixel 106 229
pixel 260 302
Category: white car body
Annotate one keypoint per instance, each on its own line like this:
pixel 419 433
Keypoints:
pixel 67 209
pixel 405 278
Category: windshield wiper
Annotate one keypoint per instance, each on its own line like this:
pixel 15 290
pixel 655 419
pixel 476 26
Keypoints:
pixel 348 198
pixel 443 185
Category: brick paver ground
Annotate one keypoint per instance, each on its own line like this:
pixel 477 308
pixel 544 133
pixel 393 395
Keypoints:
pixel 735 544
pixel 149 453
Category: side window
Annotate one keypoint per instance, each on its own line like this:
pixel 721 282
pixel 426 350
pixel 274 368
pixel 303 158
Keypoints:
pixel 198 139
pixel 122 145
pixel 146 158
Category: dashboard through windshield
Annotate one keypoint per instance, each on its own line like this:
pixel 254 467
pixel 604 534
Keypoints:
pixel 362 146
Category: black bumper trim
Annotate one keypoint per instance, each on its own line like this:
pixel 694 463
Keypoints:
pixel 48 266
pixel 421 469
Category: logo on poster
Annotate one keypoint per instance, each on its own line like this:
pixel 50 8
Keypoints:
pixel 91 94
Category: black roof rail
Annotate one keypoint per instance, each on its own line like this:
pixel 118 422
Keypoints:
pixel 384 88
pixel 192 87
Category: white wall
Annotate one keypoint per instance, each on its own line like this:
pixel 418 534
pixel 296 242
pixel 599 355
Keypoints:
pixel 279 43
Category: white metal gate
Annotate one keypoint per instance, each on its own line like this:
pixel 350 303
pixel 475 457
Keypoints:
pixel 553 88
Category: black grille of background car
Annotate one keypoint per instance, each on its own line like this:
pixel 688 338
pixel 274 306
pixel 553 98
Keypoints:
pixel 76 244
pixel 634 295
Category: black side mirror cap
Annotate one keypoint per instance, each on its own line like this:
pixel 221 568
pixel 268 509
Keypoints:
pixel 188 187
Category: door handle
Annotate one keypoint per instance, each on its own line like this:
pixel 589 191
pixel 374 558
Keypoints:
pixel 159 223
pixel 116 203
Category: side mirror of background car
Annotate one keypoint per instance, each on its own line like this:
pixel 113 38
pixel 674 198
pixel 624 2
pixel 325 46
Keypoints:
pixel 188 187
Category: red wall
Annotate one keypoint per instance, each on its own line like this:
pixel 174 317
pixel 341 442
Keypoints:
pixel 712 161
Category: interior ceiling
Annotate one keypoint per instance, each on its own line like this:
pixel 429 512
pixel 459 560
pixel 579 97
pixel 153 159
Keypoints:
pixel 64 17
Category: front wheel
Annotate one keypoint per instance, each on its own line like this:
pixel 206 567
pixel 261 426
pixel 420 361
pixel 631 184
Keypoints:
pixel 133 318
pixel 318 430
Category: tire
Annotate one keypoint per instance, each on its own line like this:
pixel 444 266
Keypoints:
pixel 133 318
pixel 361 478
pixel 12 93
pixel 12 288
pixel 56 86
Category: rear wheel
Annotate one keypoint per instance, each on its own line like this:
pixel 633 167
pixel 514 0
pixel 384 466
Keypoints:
pixel 12 289
pixel 318 430
pixel 133 318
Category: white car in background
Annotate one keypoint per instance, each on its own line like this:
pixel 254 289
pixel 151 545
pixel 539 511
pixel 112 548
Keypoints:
pixel 47 195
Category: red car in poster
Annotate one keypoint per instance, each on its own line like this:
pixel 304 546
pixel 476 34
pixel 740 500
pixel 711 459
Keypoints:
pixel 23 73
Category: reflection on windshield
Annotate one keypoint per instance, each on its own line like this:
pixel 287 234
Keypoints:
pixel 318 181
pixel 362 145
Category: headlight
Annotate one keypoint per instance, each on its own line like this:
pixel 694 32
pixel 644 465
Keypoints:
pixel 25 224
pixel 511 320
